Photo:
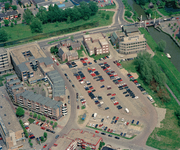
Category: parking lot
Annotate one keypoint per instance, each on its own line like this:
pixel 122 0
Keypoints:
pixel 120 126
pixel 134 105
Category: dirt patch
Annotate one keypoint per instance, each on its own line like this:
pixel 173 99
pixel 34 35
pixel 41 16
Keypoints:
pixel 135 75
pixel 124 71
pixel 161 115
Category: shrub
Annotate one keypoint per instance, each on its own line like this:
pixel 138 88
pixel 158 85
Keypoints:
pixel 30 113
pixel 45 134
pixel 47 121
pixel 51 122
pixel 35 115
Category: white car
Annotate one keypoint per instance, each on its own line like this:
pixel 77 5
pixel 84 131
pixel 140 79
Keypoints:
pixel 125 123
pixel 93 125
pixel 39 123
pixel 90 124
pixel 122 119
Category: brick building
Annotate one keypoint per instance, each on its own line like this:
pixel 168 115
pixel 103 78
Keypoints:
pixel 96 44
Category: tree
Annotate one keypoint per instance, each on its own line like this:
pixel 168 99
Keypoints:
pixel 68 19
pixel 42 15
pixel 128 14
pixel 93 7
pixel 36 26
pixel 85 10
pixel 88 148
pixel 34 115
pixel 3 35
pixel 42 138
pixel 31 144
pixel 51 122
pixel 7 6
pixel 29 140
pixel 45 134
pixel 54 49
pixel 43 118
pixel 28 16
pixel 14 7
pixel 0 25
pixel 20 112
pixel 47 121
pixel 6 22
pixel 38 117
pixel 55 124
pixel 102 15
pixel 177 113
pixel 12 24
pixel 15 21
pixel 149 11
pixel 70 48
pixel 10 1
pixel 26 134
pixel 107 17
pixel 178 122
pixel 30 113
pixel 162 45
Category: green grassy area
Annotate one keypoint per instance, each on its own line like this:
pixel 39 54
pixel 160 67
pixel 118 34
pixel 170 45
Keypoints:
pixel 126 5
pixel 58 40
pixel 165 13
pixel 111 133
pixel 80 53
pixel 80 121
pixel 96 57
pixel 83 107
pixel 108 7
pixel 155 15
pixel 22 31
pixel 129 20
pixel 2 78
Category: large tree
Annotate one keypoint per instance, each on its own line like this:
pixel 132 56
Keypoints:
pixel 6 22
pixel 7 6
pixel 28 16
pixel 20 112
pixel 162 45
pixel 42 15
pixel 85 11
pixel 93 7
pixel 14 7
pixel 36 26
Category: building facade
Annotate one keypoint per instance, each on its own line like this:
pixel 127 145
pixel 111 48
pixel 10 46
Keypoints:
pixel 132 44
pixel 96 44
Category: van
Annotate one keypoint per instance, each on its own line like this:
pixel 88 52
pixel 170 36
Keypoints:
pixel 127 110
pixel 150 98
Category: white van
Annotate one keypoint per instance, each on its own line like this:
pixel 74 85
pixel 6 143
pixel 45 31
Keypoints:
pixel 150 98
pixel 127 110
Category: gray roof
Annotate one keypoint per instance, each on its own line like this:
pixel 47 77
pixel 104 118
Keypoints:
pixel 61 52
pixel 14 12
pixel 45 3
pixel 11 77
pixel 65 5
pixel 75 45
pixel 46 60
pixel 16 86
pixel 14 81
pixel 58 83
pixel 23 67
pixel 38 1
pixel 130 29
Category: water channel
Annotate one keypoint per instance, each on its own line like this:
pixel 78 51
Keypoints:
pixel 171 46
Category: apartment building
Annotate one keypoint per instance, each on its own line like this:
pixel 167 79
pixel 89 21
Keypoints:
pixel 13 86
pixel 57 85
pixel 30 63
pixel 42 105
pixel 10 130
pixel 78 138
pixel 96 44
pixel 64 53
pixel 5 63
pixel 132 44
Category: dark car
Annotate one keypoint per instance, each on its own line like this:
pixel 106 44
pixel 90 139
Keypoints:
pixel 110 135
pixel 77 106
pixel 95 61
pixel 102 86
pixel 105 128
pixel 96 125
pixel 114 117
pixel 106 108
pixel 48 130
pixel 115 121
pixel 124 92
pixel 56 136
pixel 116 137
pixel 41 124
pixel 65 74
pixel 93 90
pixel 112 98
pixel 52 131
pixel 126 95
pixel 112 122
pixel 103 133
pixel 102 119
pixel 73 86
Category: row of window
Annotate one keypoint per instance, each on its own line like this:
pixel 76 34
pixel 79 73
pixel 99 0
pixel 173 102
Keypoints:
pixel 133 43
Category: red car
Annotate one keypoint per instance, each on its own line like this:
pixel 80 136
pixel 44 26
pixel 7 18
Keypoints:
pixel 53 58
pixel 91 87
pixel 111 131
pixel 85 58
pixel 97 131
pixel 55 144
pixel 100 125
pixel 43 128
pixel 117 118
pixel 27 128
pixel 45 146
pixel 113 94
pixel 57 64
pixel 127 123
pixel 37 122
pixel 108 130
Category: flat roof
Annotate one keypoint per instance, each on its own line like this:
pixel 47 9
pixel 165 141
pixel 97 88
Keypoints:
pixel 93 45
pixel 103 41
pixel 6 113
pixel 17 86
pixel 47 69
pixel 11 77
pixel 135 38
pixel 18 57
pixel 94 36
pixel 14 81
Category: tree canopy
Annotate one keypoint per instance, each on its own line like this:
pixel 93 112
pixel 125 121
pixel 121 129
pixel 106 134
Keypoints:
pixel 3 35
pixel 36 26
pixel 28 16
pixel 20 112
pixel 162 45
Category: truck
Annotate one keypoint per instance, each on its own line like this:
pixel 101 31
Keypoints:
pixel 84 116
pixel 95 114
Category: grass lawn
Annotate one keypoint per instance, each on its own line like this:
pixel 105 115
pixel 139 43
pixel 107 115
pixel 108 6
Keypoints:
pixel 31 120
pixel 129 20
pixel 155 15
pixel 108 7
pixel 99 56
pixel 58 40
pixel 2 78
pixel 80 121
pixel 21 31
pixel 80 53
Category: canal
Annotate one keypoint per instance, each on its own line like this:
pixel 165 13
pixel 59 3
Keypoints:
pixel 171 46
pixel 137 8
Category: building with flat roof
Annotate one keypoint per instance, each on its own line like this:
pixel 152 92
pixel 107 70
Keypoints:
pixel 130 29
pixel 132 44
pixel 5 62
pixel 96 43
pixel 40 104
pixel 11 132
pixel 78 138
pixel 30 63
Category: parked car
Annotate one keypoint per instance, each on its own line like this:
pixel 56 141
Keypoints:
pixel 56 136
pixel 43 128
pixel 45 146
pixel 116 137
pixel 110 135
pixel 103 133
pixel 77 106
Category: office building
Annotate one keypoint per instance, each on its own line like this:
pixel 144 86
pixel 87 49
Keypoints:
pixel 78 138
pixel 5 63
pixel 96 44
